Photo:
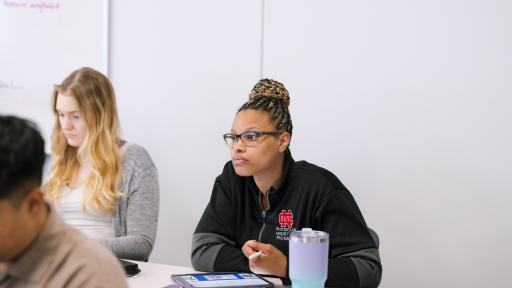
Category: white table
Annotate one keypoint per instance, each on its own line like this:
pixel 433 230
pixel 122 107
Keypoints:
pixel 159 275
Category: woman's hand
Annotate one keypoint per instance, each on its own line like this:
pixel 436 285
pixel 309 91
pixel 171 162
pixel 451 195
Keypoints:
pixel 271 261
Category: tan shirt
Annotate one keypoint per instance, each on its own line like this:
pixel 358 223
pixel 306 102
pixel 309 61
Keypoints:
pixel 63 257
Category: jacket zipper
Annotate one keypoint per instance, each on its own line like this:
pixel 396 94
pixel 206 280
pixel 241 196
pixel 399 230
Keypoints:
pixel 264 214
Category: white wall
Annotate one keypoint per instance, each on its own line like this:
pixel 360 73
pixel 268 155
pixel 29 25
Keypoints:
pixel 408 102
pixel 181 69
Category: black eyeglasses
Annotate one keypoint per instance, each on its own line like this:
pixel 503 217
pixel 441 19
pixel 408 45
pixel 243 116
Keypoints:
pixel 249 138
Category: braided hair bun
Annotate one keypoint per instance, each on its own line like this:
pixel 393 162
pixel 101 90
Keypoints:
pixel 270 88
pixel 272 97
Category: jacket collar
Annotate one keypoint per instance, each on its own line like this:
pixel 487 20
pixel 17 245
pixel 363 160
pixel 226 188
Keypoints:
pixel 274 192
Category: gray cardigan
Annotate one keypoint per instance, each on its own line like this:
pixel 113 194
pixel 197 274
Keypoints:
pixel 136 217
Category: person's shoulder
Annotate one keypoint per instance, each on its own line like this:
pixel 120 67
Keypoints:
pixel 311 169
pixel 228 171
pixel 98 267
pixel 87 260
pixel 228 175
pixel 134 150
pixel 136 155
pixel 316 175
pixel 83 247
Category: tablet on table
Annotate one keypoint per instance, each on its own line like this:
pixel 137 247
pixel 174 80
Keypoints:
pixel 220 280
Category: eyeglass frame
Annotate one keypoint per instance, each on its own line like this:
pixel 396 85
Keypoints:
pixel 258 134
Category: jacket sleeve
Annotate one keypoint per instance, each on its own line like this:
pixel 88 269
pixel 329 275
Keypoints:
pixel 138 225
pixel 214 246
pixel 354 259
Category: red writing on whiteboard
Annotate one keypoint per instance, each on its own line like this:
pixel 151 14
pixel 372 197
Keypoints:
pixel 15 4
pixel 39 5
pixel 45 6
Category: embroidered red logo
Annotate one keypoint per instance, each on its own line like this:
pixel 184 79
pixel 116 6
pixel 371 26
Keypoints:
pixel 286 218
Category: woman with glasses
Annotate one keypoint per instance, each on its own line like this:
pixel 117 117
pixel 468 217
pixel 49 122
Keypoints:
pixel 263 195
pixel 102 185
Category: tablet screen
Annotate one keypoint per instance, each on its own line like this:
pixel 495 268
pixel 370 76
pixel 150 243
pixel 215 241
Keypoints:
pixel 221 280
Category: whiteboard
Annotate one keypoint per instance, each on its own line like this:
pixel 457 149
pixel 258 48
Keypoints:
pixel 41 42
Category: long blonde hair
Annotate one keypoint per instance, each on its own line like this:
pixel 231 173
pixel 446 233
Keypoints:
pixel 97 105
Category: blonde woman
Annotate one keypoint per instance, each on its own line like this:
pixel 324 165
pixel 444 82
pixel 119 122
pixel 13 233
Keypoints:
pixel 102 185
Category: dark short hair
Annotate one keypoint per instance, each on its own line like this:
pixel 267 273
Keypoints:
pixel 21 155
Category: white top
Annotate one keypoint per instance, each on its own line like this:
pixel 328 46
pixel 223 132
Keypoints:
pixel 93 224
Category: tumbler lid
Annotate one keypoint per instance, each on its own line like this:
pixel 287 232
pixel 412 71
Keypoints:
pixel 308 235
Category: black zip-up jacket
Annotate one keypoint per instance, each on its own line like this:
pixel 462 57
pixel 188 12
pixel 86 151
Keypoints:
pixel 309 196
